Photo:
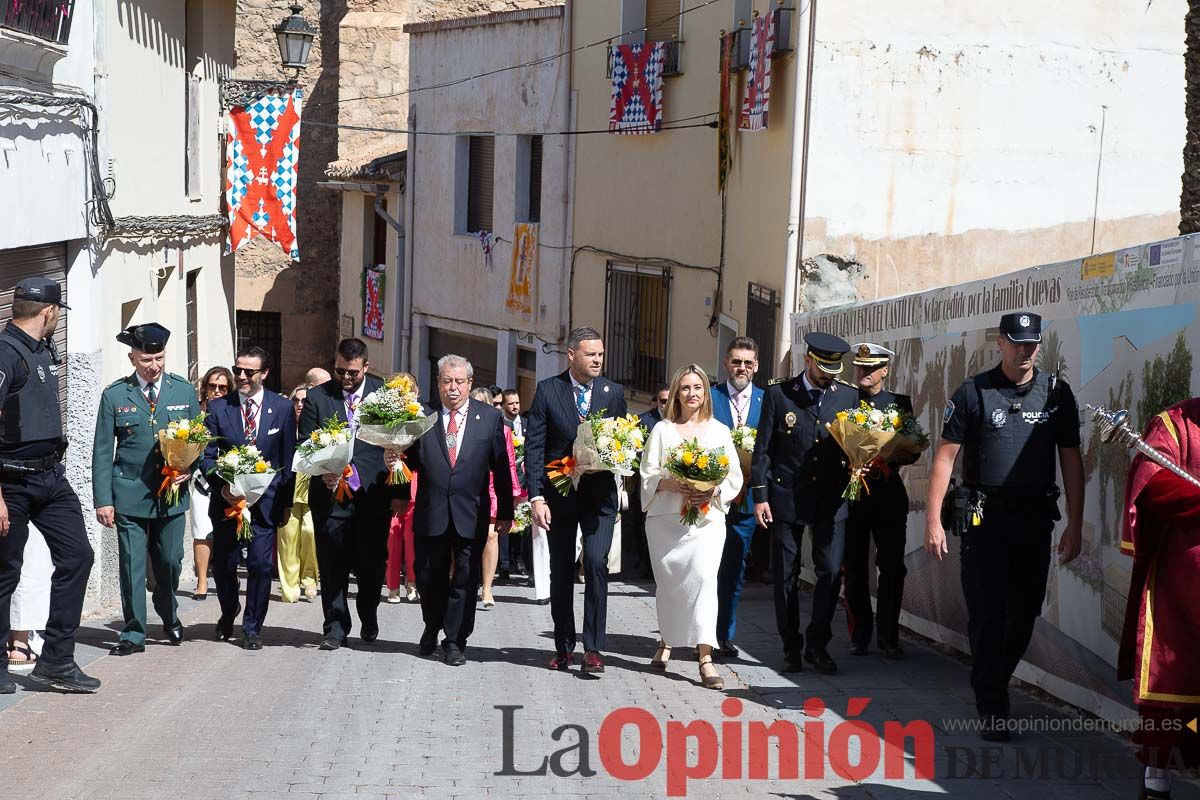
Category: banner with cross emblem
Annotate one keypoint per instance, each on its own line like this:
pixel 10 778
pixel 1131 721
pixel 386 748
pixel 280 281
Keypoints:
pixel 262 153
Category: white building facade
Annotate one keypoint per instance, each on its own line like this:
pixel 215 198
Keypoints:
pixel 488 156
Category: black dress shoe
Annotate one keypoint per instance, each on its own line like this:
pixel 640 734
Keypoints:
pixel 859 649
pixel 792 664
pixel 224 631
pixel 821 660
pixel 331 643
pixel 543 602
pixel 174 634
pixel 251 642
pixel 454 656
pixel 370 634
pixel 7 684
pixel 728 650
pixel 892 652
pixel 427 647
pixel 505 575
pixel 67 678
pixel 127 648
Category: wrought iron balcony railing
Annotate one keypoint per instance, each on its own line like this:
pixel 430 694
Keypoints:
pixel 45 19
pixel 670 59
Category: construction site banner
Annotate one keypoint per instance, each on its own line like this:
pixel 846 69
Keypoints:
pixel 1120 328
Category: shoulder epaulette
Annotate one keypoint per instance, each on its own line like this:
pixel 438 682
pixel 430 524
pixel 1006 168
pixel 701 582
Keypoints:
pixel 179 378
pixel 774 381
pixel 847 384
pixel 118 382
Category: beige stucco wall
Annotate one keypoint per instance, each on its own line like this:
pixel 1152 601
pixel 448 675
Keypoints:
pixel 355 207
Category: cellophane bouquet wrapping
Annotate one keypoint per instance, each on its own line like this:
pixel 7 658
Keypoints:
pixel 907 445
pixel 328 451
pixel 522 518
pixel 249 477
pixel 701 468
pixel 181 443
pixel 743 441
pixel 602 444
pixel 863 432
pixel 393 417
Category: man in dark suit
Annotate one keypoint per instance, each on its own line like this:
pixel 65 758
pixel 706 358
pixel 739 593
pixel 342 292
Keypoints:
pixel 352 535
pixel 252 415
pixel 560 404
pixel 455 460
pixel 881 515
pixel 736 402
pixel 798 474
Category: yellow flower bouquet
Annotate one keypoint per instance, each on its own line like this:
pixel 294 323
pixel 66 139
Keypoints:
pixel 181 443
pixel 701 468
pixel 392 417
pixel 249 476
pixel 602 444
pixel 863 432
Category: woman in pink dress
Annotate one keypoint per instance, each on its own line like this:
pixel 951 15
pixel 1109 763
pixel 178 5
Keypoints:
pixel 400 547
pixel 491 550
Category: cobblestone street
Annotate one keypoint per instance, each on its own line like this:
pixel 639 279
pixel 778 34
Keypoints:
pixel 209 720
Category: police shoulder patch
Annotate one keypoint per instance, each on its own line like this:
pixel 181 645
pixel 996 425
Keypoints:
pixel 3 378
pixel 949 412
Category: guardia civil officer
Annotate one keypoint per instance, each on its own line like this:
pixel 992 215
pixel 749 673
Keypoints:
pixel 127 473
pixel 880 515
pixel 33 486
pixel 798 474
pixel 1009 422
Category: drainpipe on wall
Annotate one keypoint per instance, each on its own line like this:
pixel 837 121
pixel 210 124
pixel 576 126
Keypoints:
pixel 401 282
pixel 802 103
pixel 566 99
pixel 410 185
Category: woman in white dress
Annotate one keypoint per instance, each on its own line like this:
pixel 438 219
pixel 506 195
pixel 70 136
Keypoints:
pixel 685 558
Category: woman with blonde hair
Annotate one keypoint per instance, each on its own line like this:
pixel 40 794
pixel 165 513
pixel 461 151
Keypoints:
pixel 687 558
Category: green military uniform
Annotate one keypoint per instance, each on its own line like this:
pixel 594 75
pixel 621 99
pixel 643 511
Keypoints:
pixel 126 474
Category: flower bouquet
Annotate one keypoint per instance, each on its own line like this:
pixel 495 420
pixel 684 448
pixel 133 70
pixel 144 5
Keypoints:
pixel 522 518
pixel 249 477
pixel 328 451
pixel 907 445
pixel 743 440
pixel 701 468
pixel 393 417
pixel 863 433
pixel 519 446
pixel 181 443
pixel 602 444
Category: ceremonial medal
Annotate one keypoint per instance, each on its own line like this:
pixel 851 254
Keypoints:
pixel 790 418
pixel 451 441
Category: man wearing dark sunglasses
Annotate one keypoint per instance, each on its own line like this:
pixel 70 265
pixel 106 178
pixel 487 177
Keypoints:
pixel 351 535
pixel 254 416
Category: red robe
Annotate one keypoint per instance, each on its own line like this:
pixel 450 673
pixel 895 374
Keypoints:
pixel 1160 645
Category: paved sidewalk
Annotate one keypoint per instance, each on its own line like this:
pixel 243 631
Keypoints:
pixel 208 720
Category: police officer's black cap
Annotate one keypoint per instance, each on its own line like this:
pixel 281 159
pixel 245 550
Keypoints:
pixel 40 290
pixel 1022 327
pixel 149 338
pixel 827 351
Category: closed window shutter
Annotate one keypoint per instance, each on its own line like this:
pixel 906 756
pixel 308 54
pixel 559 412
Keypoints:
pixel 481 163
pixel 535 179
pixel 662 20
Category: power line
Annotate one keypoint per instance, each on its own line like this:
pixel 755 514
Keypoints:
pixel 533 63
pixel 669 125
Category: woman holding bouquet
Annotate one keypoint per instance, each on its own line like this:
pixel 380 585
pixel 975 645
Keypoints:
pixel 686 553
pixel 215 384
pixel 491 550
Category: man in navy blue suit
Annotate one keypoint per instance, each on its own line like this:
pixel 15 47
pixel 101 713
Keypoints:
pixel 455 460
pixel 560 404
pixel 252 415
pixel 736 402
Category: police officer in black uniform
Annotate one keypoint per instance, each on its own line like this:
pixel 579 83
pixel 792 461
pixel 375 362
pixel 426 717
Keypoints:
pixel 1009 422
pixel 33 486
pixel 880 514
pixel 798 474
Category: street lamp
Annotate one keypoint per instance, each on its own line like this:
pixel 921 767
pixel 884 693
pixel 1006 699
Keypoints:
pixel 295 37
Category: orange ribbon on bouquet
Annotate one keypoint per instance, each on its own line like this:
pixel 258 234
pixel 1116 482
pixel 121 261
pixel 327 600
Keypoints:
pixel 170 475
pixel 691 515
pixel 400 473
pixel 559 471
pixel 343 493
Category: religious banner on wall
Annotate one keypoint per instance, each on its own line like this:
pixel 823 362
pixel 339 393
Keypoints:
pixel 757 100
pixel 1120 328
pixel 637 79
pixel 261 156
pixel 524 268
pixel 725 111
pixel 372 296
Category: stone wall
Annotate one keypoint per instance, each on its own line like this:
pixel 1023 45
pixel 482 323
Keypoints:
pixel 361 51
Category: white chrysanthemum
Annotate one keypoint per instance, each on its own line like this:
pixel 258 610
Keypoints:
pixel 251 450
pixel 324 439
pixel 604 442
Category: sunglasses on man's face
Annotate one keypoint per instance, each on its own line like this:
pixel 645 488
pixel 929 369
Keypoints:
pixel 249 373
pixel 741 362
pixel 347 373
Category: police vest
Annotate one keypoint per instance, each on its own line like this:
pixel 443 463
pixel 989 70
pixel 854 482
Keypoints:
pixel 1014 446
pixel 30 412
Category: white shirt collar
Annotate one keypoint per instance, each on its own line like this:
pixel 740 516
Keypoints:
pixel 460 412
pixel 808 387
pixel 358 390
pixel 587 386
pixel 143 383
pixel 257 398
pixel 744 394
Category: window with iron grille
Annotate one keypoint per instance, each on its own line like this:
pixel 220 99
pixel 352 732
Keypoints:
pixel 193 338
pixel 761 309
pixel 46 19
pixel 265 329
pixel 653 21
pixel 636 322
pixel 481 161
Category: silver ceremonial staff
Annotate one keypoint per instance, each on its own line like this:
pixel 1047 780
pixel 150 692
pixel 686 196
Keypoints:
pixel 1114 427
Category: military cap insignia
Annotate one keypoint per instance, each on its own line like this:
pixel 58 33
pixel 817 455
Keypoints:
pixel 864 350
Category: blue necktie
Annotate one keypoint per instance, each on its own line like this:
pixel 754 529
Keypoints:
pixel 815 396
pixel 581 400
